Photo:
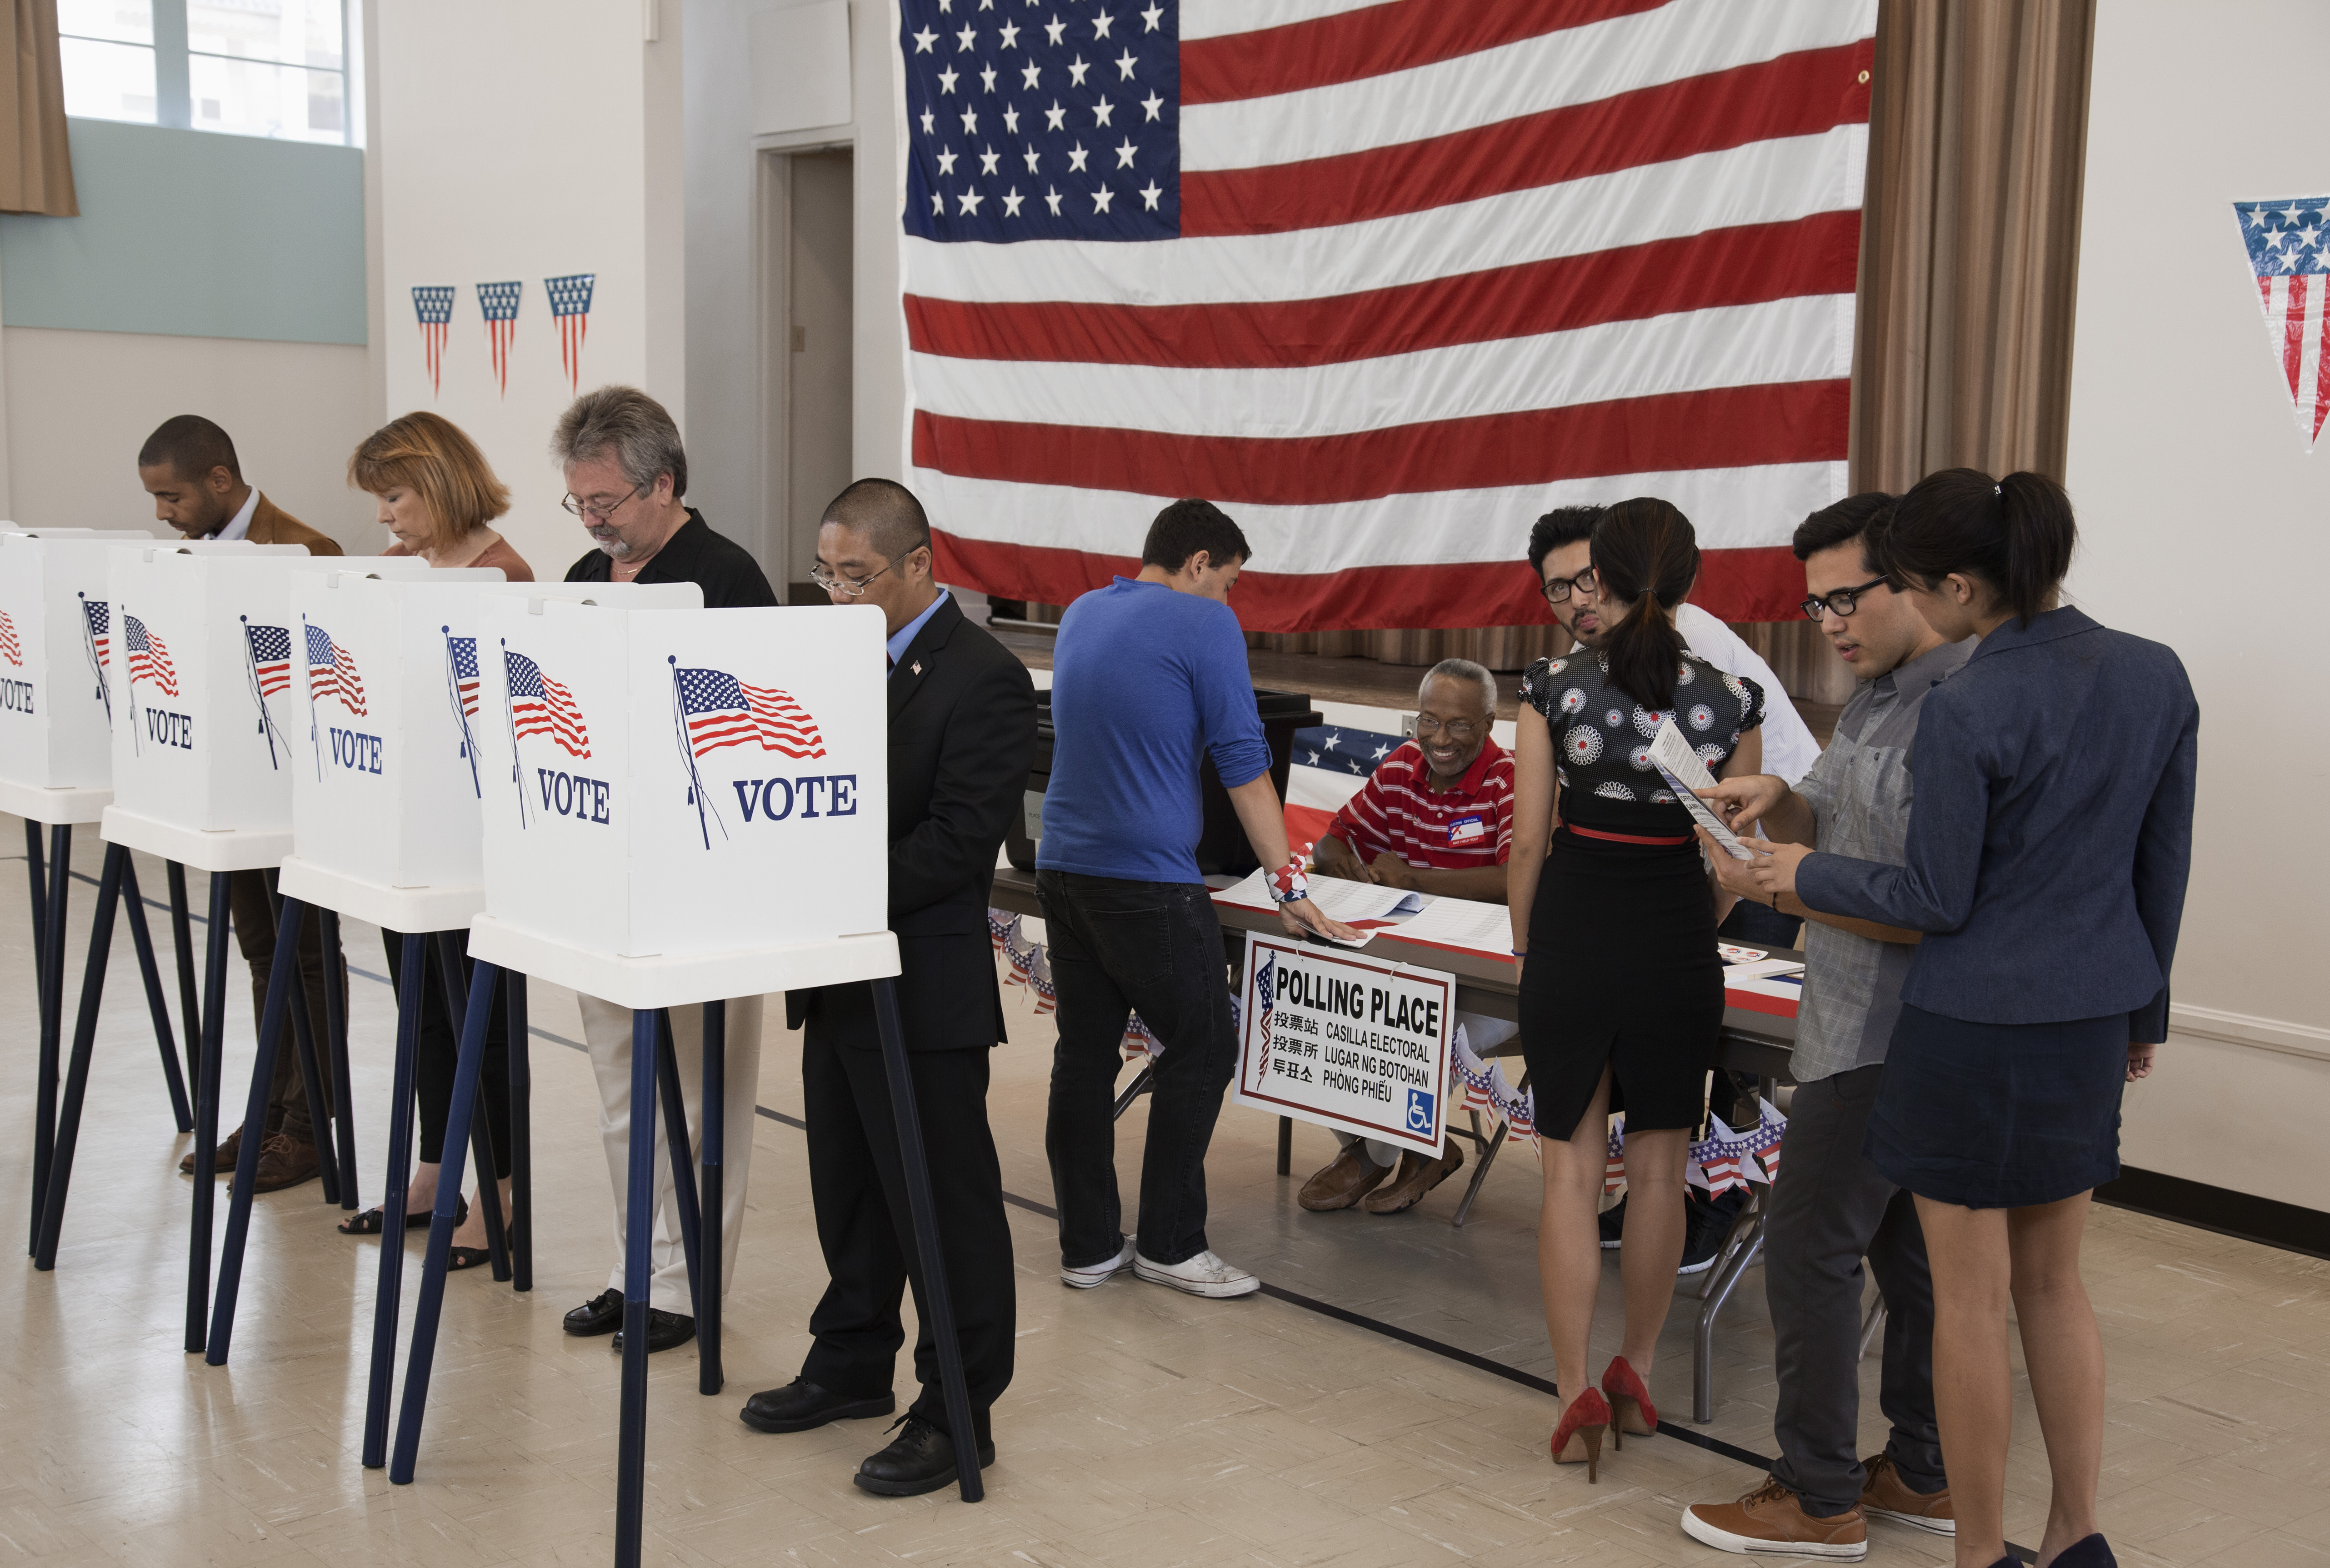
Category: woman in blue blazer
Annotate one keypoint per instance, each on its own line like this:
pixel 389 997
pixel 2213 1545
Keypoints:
pixel 2048 851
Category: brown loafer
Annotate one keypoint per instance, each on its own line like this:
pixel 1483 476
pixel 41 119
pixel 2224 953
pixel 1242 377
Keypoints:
pixel 223 1163
pixel 1418 1175
pixel 1771 1520
pixel 1344 1180
pixel 283 1163
pixel 1888 1496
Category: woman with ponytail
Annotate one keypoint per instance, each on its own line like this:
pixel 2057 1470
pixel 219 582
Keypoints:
pixel 2047 849
pixel 1614 932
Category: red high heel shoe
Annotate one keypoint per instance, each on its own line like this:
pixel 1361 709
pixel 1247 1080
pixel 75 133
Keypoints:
pixel 1578 1439
pixel 1630 1403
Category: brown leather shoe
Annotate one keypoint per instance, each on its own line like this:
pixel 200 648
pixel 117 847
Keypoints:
pixel 229 1148
pixel 1888 1496
pixel 1344 1180
pixel 1417 1176
pixel 1771 1522
pixel 283 1163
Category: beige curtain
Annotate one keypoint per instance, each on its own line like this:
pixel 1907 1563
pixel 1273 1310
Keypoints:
pixel 35 159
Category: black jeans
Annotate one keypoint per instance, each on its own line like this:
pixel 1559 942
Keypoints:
pixel 1830 1209
pixel 437 1052
pixel 1118 948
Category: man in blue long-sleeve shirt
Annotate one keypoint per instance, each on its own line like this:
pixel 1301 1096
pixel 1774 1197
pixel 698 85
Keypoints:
pixel 1148 678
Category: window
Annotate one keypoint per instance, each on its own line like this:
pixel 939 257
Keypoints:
pixel 260 68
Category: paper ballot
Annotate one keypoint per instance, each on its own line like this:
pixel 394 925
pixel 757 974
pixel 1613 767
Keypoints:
pixel 1363 904
pixel 1684 772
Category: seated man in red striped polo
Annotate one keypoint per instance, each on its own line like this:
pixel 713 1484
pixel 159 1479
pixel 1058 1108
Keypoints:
pixel 1435 817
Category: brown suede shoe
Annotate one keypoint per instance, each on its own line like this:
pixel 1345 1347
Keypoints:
pixel 1888 1496
pixel 1771 1522
pixel 1343 1182
pixel 223 1163
pixel 283 1163
pixel 1418 1177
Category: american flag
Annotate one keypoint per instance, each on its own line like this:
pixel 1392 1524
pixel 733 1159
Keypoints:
pixel 2289 255
pixel 101 622
pixel 497 303
pixel 149 657
pixel 462 652
pixel 331 673
pixel 570 307
pixel 433 302
pixel 271 657
pixel 723 711
pixel 1387 282
pixel 539 706
pixel 10 648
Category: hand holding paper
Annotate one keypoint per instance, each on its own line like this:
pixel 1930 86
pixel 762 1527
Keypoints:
pixel 1684 773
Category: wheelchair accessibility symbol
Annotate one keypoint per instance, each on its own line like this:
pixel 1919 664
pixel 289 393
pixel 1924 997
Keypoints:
pixel 1419 1112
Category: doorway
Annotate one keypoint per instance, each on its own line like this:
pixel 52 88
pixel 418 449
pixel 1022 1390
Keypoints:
pixel 811 354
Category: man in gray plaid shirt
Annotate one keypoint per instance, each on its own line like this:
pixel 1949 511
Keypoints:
pixel 1830 1208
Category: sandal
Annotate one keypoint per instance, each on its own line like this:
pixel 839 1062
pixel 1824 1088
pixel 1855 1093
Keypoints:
pixel 369 1222
pixel 458 1257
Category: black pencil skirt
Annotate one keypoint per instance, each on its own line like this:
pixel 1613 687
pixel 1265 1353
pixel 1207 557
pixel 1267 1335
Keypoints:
pixel 1622 973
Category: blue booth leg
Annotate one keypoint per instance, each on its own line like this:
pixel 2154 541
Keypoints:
pixel 683 1160
pixel 521 1099
pixel 92 991
pixel 311 1084
pixel 336 1026
pixel 481 1144
pixel 430 1305
pixel 715 1150
pixel 282 985
pixel 52 1009
pixel 206 1099
pixel 181 947
pixel 395 1186
pixel 638 1229
pixel 157 1000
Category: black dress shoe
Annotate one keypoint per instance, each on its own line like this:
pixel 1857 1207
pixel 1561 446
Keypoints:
pixel 919 1460
pixel 665 1329
pixel 602 1314
pixel 801 1404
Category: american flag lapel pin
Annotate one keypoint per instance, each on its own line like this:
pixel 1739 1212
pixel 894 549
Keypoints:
pixel 916 666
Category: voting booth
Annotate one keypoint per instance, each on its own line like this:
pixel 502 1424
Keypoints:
pixel 55 638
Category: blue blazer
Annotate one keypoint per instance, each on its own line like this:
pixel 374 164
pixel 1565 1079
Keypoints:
pixel 2050 836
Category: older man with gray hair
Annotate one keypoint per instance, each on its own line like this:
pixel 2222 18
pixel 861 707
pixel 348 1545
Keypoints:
pixel 626 473
pixel 1435 817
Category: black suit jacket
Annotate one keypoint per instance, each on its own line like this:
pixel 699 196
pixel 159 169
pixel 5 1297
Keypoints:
pixel 963 734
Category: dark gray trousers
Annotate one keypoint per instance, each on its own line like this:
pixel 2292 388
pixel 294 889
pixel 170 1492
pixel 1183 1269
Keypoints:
pixel 1830 1209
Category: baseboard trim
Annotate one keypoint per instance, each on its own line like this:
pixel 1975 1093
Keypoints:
pixel 2267 1220
pixel 2291 1039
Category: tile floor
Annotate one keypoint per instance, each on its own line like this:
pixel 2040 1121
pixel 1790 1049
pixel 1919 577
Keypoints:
pixel 1144 1428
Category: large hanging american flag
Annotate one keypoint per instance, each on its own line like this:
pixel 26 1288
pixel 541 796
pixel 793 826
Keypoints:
pixel 539 706
pixel 2288 243
pixel 1385 280
pixel 722 710
pixel 149 657
pixel 331 673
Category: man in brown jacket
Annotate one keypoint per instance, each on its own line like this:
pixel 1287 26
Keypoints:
pixel 189 467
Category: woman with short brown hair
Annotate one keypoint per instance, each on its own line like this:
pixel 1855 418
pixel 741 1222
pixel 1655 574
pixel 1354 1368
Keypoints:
pixel 436 493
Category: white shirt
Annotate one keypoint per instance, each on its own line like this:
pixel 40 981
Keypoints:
pixel 1789 748
pixel 238 526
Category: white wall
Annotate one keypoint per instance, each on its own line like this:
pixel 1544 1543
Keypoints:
pixel 80 404
pixel 2203 516
pixel 520 140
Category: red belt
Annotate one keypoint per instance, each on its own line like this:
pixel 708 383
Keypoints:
pixel 1624 837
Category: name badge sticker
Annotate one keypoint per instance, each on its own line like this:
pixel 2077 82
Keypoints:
pixel 1467 830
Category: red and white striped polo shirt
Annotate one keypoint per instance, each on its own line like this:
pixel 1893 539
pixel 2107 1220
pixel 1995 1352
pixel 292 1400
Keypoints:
pixel 1465 827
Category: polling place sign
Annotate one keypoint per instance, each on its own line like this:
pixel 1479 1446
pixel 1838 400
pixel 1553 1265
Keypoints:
pixel 1345 1041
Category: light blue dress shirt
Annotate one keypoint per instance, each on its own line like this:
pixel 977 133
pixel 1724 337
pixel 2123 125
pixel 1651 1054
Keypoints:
pixel 896 646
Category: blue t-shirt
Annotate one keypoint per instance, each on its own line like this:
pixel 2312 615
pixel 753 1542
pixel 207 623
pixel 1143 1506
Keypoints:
pixel 1145 682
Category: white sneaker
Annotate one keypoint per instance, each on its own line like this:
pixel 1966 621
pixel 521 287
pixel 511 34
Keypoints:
pixel 1092 1274
pixel 1203 1275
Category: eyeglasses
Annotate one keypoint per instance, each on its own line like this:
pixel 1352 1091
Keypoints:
pixel 1558 588
pixel 848 587
pixel 1461 731
pixel 596 511
pixel 1843 601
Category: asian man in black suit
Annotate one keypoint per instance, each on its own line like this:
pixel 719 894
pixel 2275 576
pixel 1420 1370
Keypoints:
pixel 962 732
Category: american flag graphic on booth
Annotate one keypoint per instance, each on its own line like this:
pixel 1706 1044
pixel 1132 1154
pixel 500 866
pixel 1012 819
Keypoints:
pixel 97 616
pixel 2288 244
pixel 461 669
pixel 1386 282
pixel 271 657
pixel 331 673
pixel 539 706
pixel 497 302
pixel 433 303
pixel 149 657
pixel 722 710
pixel 10 648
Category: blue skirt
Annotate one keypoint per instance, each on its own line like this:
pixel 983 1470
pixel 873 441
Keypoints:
pixel 1999 1116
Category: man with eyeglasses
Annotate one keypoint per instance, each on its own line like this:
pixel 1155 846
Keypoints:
pixel 626 473
pixel 1830 1207
pixel 963 734
pixel 1436 815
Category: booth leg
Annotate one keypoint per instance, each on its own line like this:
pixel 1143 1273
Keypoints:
pixel 1285 1145
pixel 336 1026
pixel 213 1036
pixel 481 1143
pixel 715 1150
pixel 941 1300
pixel 92 992
pixel 638 1227
pixel 683 1161
pixel 36 882
pixel 394 1188
pixel 311 1082
pixel 430 1304
pixel 283 984
pixel 182 944
pixel 51 1005
pixel 157 1000
pixel 521 1099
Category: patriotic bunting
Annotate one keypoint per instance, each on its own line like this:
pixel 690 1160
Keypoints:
pixel 570 306
pixel 497 302
pixel 2288 245
pixel 433 303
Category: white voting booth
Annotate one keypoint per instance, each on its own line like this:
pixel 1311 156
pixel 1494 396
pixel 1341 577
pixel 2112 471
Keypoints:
pixel 56 764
